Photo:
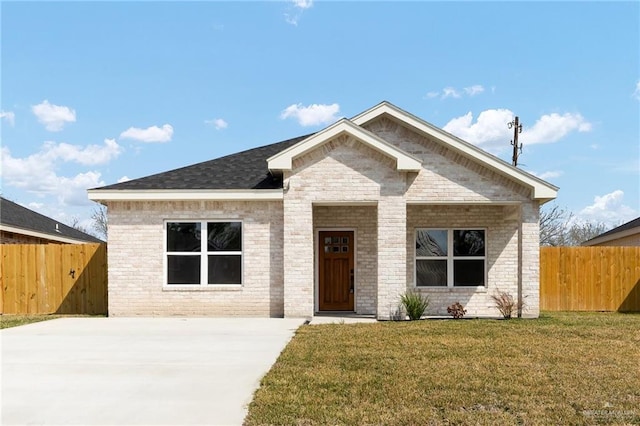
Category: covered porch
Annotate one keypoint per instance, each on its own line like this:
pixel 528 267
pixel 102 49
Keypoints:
pixel 349 247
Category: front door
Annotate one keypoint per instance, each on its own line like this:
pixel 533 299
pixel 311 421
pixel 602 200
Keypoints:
pixel 336 285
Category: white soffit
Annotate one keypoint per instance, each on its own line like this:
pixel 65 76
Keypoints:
pixel 185 195
pixel 284 159
pixel 542 190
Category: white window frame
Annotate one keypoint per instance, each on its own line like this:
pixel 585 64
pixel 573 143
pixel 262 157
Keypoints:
pixel 450 258
pixel 203 253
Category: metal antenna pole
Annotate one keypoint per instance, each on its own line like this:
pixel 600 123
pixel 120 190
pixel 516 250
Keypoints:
pixel 517 148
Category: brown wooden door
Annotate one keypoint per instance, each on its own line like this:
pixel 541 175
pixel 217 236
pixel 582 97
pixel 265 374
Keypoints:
pixel 336 286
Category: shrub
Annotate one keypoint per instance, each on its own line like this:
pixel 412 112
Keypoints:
pixel 414 304
pixel 506 304
pixel 456 310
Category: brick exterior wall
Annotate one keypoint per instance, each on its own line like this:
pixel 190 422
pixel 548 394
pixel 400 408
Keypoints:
pixel 501 243
pixel 341 184
pixel 136 260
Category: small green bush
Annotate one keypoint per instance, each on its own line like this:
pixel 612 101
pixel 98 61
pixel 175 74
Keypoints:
pixel 415 304
pixel 456 310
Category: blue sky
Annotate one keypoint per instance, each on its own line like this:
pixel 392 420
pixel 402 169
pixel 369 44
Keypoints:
pixel 95 93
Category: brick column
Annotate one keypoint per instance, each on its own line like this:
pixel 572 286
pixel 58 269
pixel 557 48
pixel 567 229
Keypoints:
pixel 529 277
pixel 392 254
pixel 298 258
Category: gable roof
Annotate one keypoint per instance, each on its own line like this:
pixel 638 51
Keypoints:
pixel 283 160
pixel 247 175
pixel 626 229
pixel 20 220
pixel 542 190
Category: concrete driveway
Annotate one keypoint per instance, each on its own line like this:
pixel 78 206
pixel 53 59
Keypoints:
pixel 134 371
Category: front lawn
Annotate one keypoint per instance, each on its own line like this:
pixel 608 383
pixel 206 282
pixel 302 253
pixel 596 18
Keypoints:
pixel 564 368
pixel 7 321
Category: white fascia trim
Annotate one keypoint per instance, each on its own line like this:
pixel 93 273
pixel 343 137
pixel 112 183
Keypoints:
pixel 284 159
pixel 463 203
pixel 614 236
pixel 185 195
pixel 30 233
pixel 542 190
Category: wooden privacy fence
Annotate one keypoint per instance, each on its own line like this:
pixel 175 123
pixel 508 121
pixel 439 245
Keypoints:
pixel 53 278
pixel 590 279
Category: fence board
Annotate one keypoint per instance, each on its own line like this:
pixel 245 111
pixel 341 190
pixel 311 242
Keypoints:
pixel 53 278
pixel 590 278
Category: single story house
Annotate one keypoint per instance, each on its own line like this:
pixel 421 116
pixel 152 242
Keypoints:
pixel 20 225
pixel 345 219
pixel 627 234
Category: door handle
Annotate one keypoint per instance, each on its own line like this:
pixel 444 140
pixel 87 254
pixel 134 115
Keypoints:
pixel 351 281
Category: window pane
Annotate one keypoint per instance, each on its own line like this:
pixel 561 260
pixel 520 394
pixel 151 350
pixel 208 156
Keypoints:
pixel 431 273
pixel 431 242
pixel 183 269
pixel 225 269
pixel 183 236
pixel 224 236
pixel 468 273
pixel 468 242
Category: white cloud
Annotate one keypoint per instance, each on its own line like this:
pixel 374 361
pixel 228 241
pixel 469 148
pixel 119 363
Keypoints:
pixel 474 90
pixel 35 206
pixel 450 92
pixel 636 93
pixel 311 115
pixel 608 208
pixel 88 155
pixel 54 117
pixel 124 179
pixel 550 174
pixel 490 130
pixel 302 4
pixel 37 172
pixel 9 117
pixel 218 123
pixel 150 134
pixel 553 127
pixel 296 8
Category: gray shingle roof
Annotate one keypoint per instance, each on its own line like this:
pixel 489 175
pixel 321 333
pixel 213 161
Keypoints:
pixel 624 227
pixel 12 214
pixel 243 170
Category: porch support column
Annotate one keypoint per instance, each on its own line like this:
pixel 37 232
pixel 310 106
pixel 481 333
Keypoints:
pixel 529 262
pixel 392 254
pixel 298 258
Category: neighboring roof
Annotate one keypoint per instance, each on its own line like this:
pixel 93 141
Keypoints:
pixel 246 175
pixel 626 229
pixel 18 219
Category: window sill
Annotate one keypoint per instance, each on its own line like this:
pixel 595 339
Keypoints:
pixel 213 287
pixel 452 289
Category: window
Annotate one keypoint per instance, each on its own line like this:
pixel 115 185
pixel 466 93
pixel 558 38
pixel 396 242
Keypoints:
pixel 193 259
pixel 450 257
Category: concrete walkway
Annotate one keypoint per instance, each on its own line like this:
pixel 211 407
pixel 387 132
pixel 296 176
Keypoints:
pixel 135 371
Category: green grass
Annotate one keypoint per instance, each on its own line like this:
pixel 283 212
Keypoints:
pixel 8 321
pixel 564 368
